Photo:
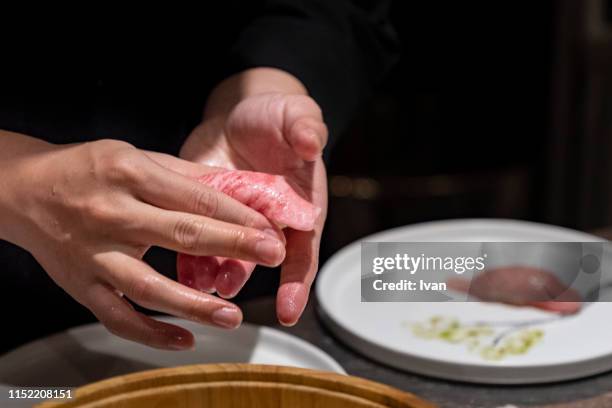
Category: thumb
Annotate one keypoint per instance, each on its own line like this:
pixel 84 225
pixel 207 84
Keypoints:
pixel 303 127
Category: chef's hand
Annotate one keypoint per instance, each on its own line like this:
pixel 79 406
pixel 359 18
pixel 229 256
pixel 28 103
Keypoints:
pixel 89 212
pixel 263 120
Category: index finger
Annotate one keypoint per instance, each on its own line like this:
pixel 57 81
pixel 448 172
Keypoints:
pixel 176 191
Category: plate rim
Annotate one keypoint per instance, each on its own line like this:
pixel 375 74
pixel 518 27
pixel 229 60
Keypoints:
pixel 481 373
pixel 37 346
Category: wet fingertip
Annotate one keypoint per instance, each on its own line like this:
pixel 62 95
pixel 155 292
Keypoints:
pixel 287 323
pixel 181 341
pixel 228 317
pixel 291 301
pixel 287 314
pixel 227 294
pixel 270 251
pixel 231 278
pixel 198 272
pixel 206 283
pixel 209 290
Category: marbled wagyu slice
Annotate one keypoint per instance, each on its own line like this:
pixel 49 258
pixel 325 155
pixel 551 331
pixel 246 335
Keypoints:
pixel 269 194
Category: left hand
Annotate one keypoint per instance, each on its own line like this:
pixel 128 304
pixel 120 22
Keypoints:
pixel 263 120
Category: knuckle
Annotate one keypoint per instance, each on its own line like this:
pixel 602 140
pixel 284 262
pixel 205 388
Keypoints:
pixel 118 161
pixel 188 233
pixel 140 250
pixel 141 290
pixel 238 243
pixel 194 310
pixel 206 202
pixel 253 219
pixel 123 167
pixel 199 308
pixel 100 211
pixel 107 145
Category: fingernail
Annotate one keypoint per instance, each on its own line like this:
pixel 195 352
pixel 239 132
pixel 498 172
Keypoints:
pixel 230 281
pixel 275 234
pixel 180 342
pixel 269 250
pixel 271 233
pixel 227 317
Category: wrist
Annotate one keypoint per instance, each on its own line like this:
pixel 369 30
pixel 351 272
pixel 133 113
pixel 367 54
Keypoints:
pixel 20 157
pixel 255 81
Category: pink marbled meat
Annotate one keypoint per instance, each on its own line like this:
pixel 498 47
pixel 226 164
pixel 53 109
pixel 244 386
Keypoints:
pixel 270 195
pixel 521 286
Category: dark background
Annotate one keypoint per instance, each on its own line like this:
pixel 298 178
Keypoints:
pixel 462 127
pixel 493 111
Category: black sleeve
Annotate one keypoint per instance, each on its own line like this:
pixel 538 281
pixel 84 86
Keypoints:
pixel 339 49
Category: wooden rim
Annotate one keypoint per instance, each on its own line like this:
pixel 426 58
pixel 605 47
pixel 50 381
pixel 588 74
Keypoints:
pixel 203 373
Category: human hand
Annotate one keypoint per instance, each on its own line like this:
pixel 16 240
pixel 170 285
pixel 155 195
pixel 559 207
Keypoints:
pixel 89 212
pixel 262 120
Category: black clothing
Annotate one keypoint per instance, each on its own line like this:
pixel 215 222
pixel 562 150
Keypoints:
pixel 66 90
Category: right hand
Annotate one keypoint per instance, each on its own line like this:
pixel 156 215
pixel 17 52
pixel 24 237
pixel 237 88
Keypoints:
pixel 89 212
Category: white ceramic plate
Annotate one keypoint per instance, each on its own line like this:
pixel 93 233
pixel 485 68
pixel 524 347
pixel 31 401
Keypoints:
pixel 90 353
pixel 571 347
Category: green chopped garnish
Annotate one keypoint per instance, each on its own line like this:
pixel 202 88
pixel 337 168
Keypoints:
pixel 478 338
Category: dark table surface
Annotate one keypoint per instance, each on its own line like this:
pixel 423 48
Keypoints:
pixel 589 392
